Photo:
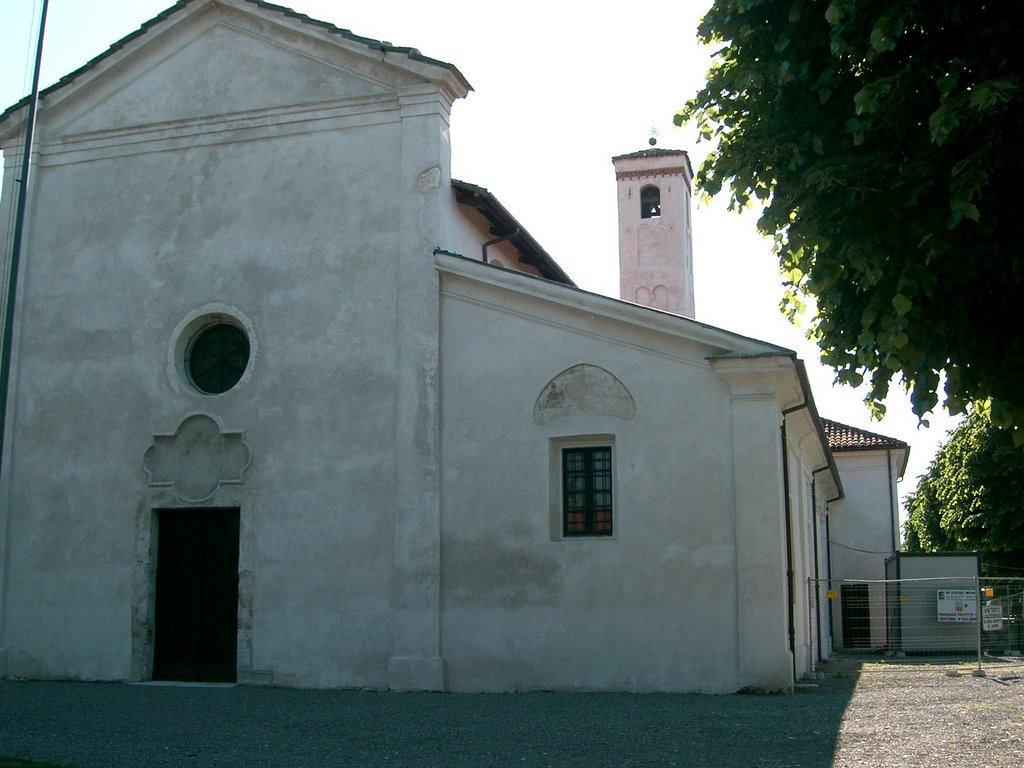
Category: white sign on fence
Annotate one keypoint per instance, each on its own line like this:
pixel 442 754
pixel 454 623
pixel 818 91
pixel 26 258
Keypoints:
pixel 957 605
pixel 992 618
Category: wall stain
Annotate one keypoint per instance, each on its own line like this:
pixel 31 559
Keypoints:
pixel 486 572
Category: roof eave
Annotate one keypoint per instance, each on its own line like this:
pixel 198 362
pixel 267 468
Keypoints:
pixel 819 426
pixel 456 81
pixel 505 223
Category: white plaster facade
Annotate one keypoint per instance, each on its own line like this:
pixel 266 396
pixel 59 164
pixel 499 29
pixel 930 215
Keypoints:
pixel 864 524
pixel 393 446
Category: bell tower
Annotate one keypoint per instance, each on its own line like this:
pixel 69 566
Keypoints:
pixel 655 241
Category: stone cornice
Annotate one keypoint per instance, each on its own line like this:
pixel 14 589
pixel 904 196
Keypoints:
pixel 674 171
pixel 760 376
pixel 651 323
pixel 221 129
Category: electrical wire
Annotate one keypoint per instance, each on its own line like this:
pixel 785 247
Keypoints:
pixel 865 551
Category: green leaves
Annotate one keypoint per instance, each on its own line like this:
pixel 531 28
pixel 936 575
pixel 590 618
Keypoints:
pixel 901 304
pixel 835 12
pixel 944 121
pixel 887 30
pixel 994 93
pixel 946 84
pixel 970 498
pixel 864 100
pixel 877 137
pixel 881 41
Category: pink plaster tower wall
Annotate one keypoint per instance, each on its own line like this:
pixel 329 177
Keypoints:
pixel 656 249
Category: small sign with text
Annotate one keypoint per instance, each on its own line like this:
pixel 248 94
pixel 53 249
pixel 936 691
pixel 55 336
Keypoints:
pixel 957 605
pixel 992 618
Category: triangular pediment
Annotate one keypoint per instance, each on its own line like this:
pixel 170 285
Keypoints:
pixel 223 71
pixel 217 58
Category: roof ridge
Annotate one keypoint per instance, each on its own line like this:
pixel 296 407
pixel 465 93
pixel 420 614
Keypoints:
pixel 369 42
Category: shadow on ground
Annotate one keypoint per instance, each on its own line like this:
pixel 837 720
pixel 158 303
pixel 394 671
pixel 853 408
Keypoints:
pixel 112 725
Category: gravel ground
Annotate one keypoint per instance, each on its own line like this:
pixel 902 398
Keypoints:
pixel 857 715
pixel 934 715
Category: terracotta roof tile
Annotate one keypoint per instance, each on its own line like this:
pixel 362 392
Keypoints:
pixel 843 437
pixel 504 223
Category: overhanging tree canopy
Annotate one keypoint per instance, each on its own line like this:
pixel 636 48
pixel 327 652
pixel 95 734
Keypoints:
pixel 882 138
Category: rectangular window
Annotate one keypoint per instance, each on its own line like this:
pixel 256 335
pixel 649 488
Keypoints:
pixel 587 491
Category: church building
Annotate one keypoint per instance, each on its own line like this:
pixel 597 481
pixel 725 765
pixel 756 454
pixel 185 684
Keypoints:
pixel 290 405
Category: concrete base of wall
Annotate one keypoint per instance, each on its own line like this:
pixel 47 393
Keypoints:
pixel 255 677
pixel 416 673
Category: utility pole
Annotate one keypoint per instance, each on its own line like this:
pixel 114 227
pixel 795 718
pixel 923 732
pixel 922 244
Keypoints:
pixel 19 229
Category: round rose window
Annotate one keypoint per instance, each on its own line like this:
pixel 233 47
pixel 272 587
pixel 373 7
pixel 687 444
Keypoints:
pixel 217 357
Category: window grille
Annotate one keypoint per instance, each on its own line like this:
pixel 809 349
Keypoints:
pixel 587 491
pixel 217 357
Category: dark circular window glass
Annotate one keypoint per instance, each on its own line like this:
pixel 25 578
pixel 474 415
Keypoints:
pixel 217 358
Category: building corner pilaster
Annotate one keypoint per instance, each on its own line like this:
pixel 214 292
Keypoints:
pixel 764 658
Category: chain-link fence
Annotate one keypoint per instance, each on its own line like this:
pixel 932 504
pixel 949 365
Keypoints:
pixel 955 617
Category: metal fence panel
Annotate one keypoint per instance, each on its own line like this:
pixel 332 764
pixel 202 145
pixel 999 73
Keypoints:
pixel 953 616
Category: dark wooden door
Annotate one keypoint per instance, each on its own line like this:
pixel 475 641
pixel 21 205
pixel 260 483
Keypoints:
pixel 196 595
pixel 856 616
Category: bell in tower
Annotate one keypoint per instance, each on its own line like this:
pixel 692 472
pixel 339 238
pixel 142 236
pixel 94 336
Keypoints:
pixel 655 243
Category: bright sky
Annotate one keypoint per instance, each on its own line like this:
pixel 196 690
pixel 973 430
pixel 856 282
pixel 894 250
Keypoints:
pixel 560 88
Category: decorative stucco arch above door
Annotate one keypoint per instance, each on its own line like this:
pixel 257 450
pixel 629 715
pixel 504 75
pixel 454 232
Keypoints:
pixel 197 458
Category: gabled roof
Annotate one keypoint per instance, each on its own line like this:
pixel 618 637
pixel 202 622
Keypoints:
pixel 377 45
pixel 843 437
pixel 503 224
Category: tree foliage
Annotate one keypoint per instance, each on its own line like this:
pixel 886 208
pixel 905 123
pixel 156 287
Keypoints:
pixel 972 497
pixel 882 138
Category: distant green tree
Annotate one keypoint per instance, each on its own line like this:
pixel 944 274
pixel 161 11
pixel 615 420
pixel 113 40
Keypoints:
pixel 972 497
pixel 882 138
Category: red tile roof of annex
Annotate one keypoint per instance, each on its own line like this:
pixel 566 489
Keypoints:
pixel 843 437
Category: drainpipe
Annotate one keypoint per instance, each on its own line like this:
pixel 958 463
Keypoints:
pixel 787 514
pixel 509 236
pixel 828 567
pixel 892 503
pixel 817 572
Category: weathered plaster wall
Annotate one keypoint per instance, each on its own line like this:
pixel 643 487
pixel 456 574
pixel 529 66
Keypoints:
pixel 651 608
pixel 108 282
pixel 863 521
pixel 863 528
pixel 308 232
pixel 765 659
